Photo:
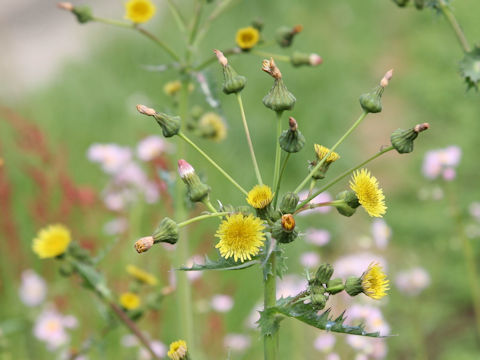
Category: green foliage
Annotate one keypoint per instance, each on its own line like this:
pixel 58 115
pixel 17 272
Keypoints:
pixel 221 264
pixel 470 68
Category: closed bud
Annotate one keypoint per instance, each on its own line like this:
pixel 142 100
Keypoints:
pixel 289 203
pixel 299 59
pixel 284 35
pixel 283 235
pixel 166 231
pixel 318 301
pixel 258 24
pixel 402 140
pixel 353 286
pixel 372 102
pixel 66 269
pixel 233 83
pixel 170 124
pixel 335 286
pixel 197 190
pixel 278 98
pixel 83 14
pixel 323 274
pixel 144 244
pixel 292 140
pixel 349 197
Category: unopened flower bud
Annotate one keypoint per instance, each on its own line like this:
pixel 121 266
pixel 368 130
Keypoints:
pixel 321 152
pixel 299 59
pixel 197 190
pixel 66 269
pixel 318 301
pixel 284 35
pixel 278 98
pixel 143 244
pixel 372 102
pixel 284 229
pixel 323 274
pixel 233 83
pixel 402 140
pixel 289 203
pixel 315 59
pixel 335 286
pixel 292 140
pixel 258 24
pixel 82 13
pixel 166 231
pixel 170 124
pixel 353 286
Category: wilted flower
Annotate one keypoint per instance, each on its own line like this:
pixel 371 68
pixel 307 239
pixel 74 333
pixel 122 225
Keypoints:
pixel 237 342
pixel 412 282
pixel 33 288
pixel 139 11
pixel 51 241
pixel 222 303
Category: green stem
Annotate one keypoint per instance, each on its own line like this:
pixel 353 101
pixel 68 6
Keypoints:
pixel 447 12
pixel 342 175
pixel 209 159
pixel 277 188
pixel 284 58
pixel 213 58
pixel 249 140
pixel 270 342
pixel 201 217
pixel 312 186
pixel 278 150
pixel 209 205
pixel 320 163
pixel 313 206
pixel 177 16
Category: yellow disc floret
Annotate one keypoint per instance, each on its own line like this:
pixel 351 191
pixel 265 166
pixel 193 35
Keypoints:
pixel 51 241
pixel 213 126
pixel 247 38
pixel 241 236
pixel 369 195
pixel 178 350
pixel 139 11
pixel 260 196
pixel 374 282
pixel 322 151
pixel 130 301
pixel 141 275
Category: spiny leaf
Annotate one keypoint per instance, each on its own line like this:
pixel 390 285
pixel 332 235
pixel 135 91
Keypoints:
pixel 221 264
pixel 470 68
pixel 269 321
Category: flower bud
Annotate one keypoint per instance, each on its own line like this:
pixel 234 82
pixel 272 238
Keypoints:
pixel 318 301
pixel 353 286
pixel 284 229
pixel 371 102
pixel 401 3
pixel 166 231
pixel 321 152
pixel 278 98
pixel 335 286
pixel 258 24
pixel 323 274
pixel 289 203
pixel 299 59
pixel 292 140
pixel 66 269
pixel 419 4
pixel 402 140
pixel 284 35
pixel 197 190
pixel 233 83
pixel 83 14
pixel 170 124
pixel 143 244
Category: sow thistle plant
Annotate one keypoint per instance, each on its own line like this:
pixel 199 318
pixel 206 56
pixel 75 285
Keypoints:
pixel 259 231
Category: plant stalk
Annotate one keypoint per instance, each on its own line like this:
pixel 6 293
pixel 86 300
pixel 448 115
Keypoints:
pixel 278 150
pixel 457 29
pixel 270 342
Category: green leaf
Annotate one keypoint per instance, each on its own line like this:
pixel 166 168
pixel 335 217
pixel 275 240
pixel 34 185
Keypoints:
pixel 221 264
pixel 269 319
pixel 470 68
pixel 92 278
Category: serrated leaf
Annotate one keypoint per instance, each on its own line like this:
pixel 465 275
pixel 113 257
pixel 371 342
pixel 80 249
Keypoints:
pixel 305 313
pixel 470 68
pixel 269 321
pixel 221 264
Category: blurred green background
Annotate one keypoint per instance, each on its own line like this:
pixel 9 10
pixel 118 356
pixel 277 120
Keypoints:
pixel 90 97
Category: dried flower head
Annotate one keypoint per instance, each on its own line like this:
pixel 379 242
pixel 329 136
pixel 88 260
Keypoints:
pixel 368 193
pixel 130 301
pixel 386 78
pixel 240 236
pixel 178 350
pixel 374 282
pixel 247 38
pixel 141 275
pixel 260 196
pixel 139 11
pixel 271 68
pixel 322 151
pixel 65 6
pixel 51 241
pixel 221 58
pixel 145 110
pixel 143 244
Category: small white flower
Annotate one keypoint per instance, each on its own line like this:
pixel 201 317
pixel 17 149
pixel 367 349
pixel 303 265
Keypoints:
pixel 33 288
pixel 50 328
pixel 237 342
pixel 151 147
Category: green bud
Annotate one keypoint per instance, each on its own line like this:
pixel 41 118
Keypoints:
pixel 79 253
pixel 419 4
pixel 284 229
pixel 66 269
pixel 289 203
pixel 284 35
pixel 318 301
pixel 170 124
pixel 353 286
pixel 371 102
pixel 401 3
pixel 292 140
pixel 299 59
pixel 324 273
pixel 83 14
pixel 233 83
pixel 166 231
pixel 335 286
pixel 197 190
pixel 279 98
pixel 402 140
pixel 258 24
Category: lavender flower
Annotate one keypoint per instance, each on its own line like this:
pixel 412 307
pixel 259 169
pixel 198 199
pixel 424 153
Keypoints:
pixel 33 288
pixel 412 282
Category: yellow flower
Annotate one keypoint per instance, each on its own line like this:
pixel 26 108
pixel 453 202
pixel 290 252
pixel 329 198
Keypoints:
pixel 247 37
pixel 260 196
pixel 322 151
pixel 368 193
pixel 130 301
pixel 374 282
pixel 141 275
pixel 213 126
pixel 51 241
pixel 139 11
pixel 172 87
pixel 178 350
pixel 240 236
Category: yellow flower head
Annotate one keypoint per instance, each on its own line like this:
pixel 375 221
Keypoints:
pixel 178 350
pixel 322 151
pixel 213 126
pixel 51 241
pixel 240 236
pixel 172 87
pixel 141 275
pixel 374 282
pixel 130 301
pixel 369 195
pixel 247 38
pixel 139 11
pixel 260 196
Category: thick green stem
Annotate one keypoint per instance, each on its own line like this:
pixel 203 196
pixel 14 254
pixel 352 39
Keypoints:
pixel 447 12
pixel 320 163
pixel 270 342
pixel 341 176
pixel 277 188
pixel 278 150
pixel 209 159
pixel 249 140
pixel 201 217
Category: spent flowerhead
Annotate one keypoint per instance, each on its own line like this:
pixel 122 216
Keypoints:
pixel 139 11
pixel 240 236
pixel 51 241
pixel 368 193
